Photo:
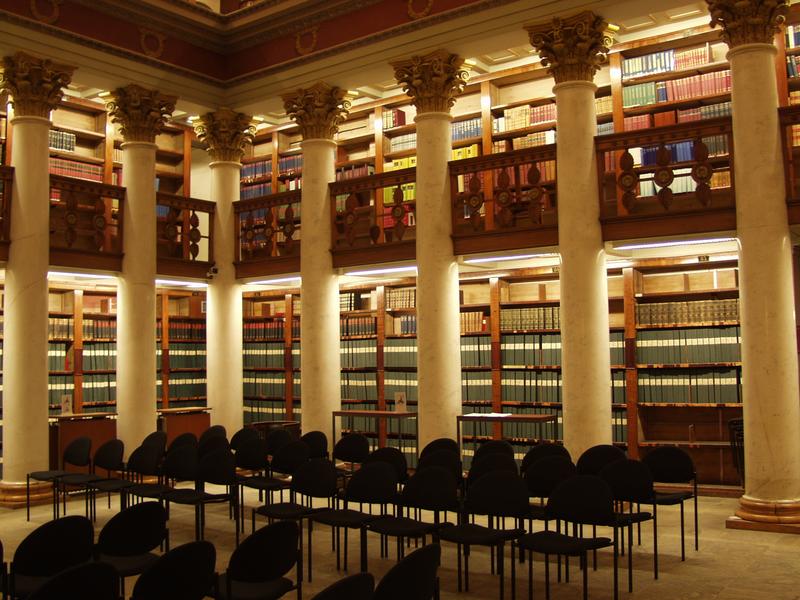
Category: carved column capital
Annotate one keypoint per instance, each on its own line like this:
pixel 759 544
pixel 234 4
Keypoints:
pixel 748 21
pixel 433 81
pixel 141 113
pixel 573 48
pixel 225 132
pixel 34 84
pixel 318 110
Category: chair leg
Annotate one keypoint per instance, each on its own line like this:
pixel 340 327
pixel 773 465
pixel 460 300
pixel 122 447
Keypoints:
pixel 500 561
pixel 655 542
pixel 683 544
pixel 514 570
pixel 584 562
pixel 346 529
pixel 530 575
pixel 547 577
pixel 616 563
pixel 28 497
pixel 364 549
pixel 458 553
pixel 630 558
pixel 696 529
pixel 310 530
pixel 466 567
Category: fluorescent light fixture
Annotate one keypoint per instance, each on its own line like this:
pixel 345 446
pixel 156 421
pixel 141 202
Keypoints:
pixel 275 281
pixel 475 261
pixel 55 274
pixel 192 118
pixel 386 271
pixel 176 282
pixel 259 118
pixel 618 264
pixel 671 243
pixel 482 276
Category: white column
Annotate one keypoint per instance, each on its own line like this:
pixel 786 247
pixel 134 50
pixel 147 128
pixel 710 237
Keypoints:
pixel 224 309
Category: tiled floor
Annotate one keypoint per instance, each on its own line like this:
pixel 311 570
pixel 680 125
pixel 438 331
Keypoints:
pixel 731 564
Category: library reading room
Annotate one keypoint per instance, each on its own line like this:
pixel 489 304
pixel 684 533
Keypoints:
pixel 499 250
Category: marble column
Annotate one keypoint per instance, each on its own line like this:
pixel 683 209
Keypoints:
pixel 769 346
pixel 573 48
pixel 35 86
pixel 225 132
pixel 141 114
pixel 318 110
pixel 434 81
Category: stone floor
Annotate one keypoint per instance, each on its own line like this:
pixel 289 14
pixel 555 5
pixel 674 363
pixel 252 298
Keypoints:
pixel 731 564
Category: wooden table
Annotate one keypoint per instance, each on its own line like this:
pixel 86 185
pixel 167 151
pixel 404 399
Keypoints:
pixel 187 419
pixel 100 427
pixel 380 415
pixel 503 418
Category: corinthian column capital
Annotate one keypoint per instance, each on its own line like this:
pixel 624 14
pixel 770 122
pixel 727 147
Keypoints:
pixel 225 132
pixel 573 48
pixel 433 81
pixel 318 110
pixel 747 21
pixel 141 113
pixel 34 84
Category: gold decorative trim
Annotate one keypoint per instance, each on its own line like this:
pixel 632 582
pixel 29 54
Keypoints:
pixel 226 132
pixel 748 21
pixel 13 494
pixel 318 110
pixel 152 42
pixel 433 81
pixel 140 112
pixel 303 49
pixel 44 17
pixel 34 84
pixel 418 14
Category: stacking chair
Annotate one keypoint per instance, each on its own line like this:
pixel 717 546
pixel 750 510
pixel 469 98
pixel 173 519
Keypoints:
pixel 76 454
pixel 490 463
pixel 413 578
pixel 440 444
pixel 540 451
pixel 352 449
pixel 185 573
pixel 257 567
pixel 542 477
pixel 245 434
pixel 180 464
pixel 108 457
pixel 212 444
pixel 493 447
pixel 446 459
pixel 355 587
pixel 317 442
pixel 670 464
pixel 213 431
pixel 128 539
pixel 592 461
pixel 184 439
pixel 144 461
pixel 48 550
pixel 158 439
pixel 392 456
pixel 285 462
pixel 276 439
pixel 89 581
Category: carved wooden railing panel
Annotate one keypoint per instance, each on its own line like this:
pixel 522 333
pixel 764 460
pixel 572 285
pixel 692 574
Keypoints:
pixel 6 183
pixel 790 127
pixel 184 229
pixel 268 227
pixel 677 169
pixel 85 220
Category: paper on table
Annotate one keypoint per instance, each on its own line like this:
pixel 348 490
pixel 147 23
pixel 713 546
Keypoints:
pixel 491 414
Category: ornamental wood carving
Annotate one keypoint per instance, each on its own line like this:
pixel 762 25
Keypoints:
pixel 573 48
pixel 141 113
pixel 433 81
pixel 49 14
pixel 34 84
pixel 80 215
pixel 415 13
pixel 318 110
pixel 151 42
pixel 628 180
pixel 748 21
pixel 305 42
pixel 226 133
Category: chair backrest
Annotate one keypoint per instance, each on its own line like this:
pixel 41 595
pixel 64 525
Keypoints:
pixel 184 439
pixel 489 463
pixel 498 493
pixel 88 581
pixel 630 480
pixel 545 474
pixel 145 460
pixel 135 530
pixel 541 451
pixel 374 483
pixel 157 439
pixel 439 444
pixel 446 459
pixel 218 467
pixel 54 546
pixel 277 438
pixel 290 457
pixel 354 448
pixel 212 444
pixel 433 488
pixel 181 463
pixel 582 499
pixel 493 447
pixel 356 587
pixel 245 434
pixel 184 573
pixel 670 464
pixel 252 454
pixel 109 456
pixel 78 452
pixel 592 461
pixel 736 437
pixel 317 442
pixel 392 456
pixel 268 553
pixel 413 578
pixel 315 478
pixel 213 431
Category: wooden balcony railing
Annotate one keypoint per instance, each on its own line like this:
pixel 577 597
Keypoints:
pixel 268 234
pixel 504 201
pixel 667 180
pixel 184 234
pixel 6 182
pixel 85 223
pixel 376 212
pixel 790 127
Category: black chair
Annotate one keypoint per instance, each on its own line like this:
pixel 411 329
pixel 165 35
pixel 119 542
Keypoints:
pixel 493 447
pixel 581 500
pixel 252 463
pixel 542 477
pixel 77 454
pixel 355 587
pixel 257 567
pixel 3 574
pixel 352 449
pixel 317 442
pixel 183 573
pixel 157 439
pixel 212 444
pixel 180 464
pixel 184 439
pixel 285 463
pixel 592 461
pixel 413 578
pixel 128 539
pixel 143 462
pixel 89 581
pixel 446 459
pixel 107 457
pixel 213 431
pixel 540 451
pixel 490 463
pixel 440 444
pixel 392 456
pixel 496 495
pixel 670 464
pixel 48 550
pixel 276 439
pixel 245 434
pixel 374 484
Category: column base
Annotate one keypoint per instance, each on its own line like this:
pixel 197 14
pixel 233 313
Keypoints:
pixel 782 516
pixel 12 493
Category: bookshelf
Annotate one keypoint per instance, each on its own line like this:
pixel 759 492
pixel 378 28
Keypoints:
pixel 173 159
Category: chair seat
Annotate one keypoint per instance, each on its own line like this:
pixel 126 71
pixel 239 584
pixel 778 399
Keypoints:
pixel 111 485
pixel 671 498
pixel 550 542
pixel 191 496
pixel 538 512
pixel 148 490
pixel 25 585
pixel 126 566
pixel 625 519
pixel 285 511
pixel 343 518
pixel 47 475
pixel 266 484
pixel 477 535
pixel 401 527
pixel 246 590
pixel 79 478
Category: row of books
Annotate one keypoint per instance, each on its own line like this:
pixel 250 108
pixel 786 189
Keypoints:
pixel 272 329
pixel 539 138
pixel 536 317
pixel 349 301
pixel 530 386
pixel 476 351
pixel 401 297
pixel 256 170
pixel 186 386
pixel 393 117
pixel 359 386
pixel 711 111
pixel 76 169
pixel 400 383
pixel 61 140
pixel 100 356
pixel 793 66
pixel 60 328
pixel 59 356
pixel 354 171
pixel 695 311
pixel 476 386
pixel 255 191
pixel 664 61
pixel 264 385
pixel 401 325
pixel 717 145
pixel 792 33
pixel 99 328
pixel 290 185
pixel 652 92
pixel 59 386
pixel 406 141
pixel 461 130
pixel 257 410
pixel 409 189
pixel 719 386
pixel 400 352
pixel 99 387
pixel 522 350
pixel 187 356
pixel 184 330
pixel 357 354
pixel 701 345
pixel 605 128
pixel 683 183
pixel 263 355
pixel 474 321
pixel 290 164
pixel 470 151
pixel 358 326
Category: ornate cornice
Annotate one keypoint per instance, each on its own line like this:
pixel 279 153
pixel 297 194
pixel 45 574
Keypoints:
pixel 225 132
pixel 318 110
pixel 748 21
pixel 573 48
pixel 433 81
pixel 141 113
pixel 34 84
